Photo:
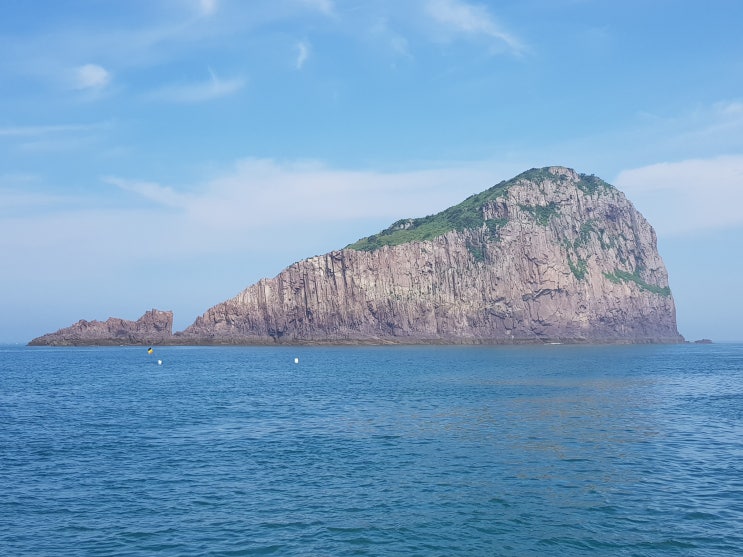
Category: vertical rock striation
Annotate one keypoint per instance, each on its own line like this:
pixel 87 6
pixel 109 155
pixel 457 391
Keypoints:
pixel 549 256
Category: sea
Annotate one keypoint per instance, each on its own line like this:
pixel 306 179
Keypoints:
pixel 407 450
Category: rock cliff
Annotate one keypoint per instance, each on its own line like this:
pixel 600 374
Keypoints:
pixel 549 256
pixel 154 327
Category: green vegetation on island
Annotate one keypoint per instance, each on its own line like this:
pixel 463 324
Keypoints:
pixel 541 213
pixel 590 184
pixel 619 276
pixel 579 268
pixel 469 213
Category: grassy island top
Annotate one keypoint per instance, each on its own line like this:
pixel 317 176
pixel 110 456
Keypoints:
pixel 466 215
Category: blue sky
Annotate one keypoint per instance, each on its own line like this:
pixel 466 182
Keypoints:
pixel 169 153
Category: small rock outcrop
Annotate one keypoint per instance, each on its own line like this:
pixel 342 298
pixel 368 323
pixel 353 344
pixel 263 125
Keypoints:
pixel 549 256
pixel 154 327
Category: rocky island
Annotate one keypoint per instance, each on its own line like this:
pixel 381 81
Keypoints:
pixel 548 256
pixel 154 327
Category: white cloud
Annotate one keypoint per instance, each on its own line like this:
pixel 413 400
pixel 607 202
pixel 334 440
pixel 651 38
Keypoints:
pixel 700 131
pixel 257 193
pixel 91 77
pixel 211 89
pixel 394 41
pixel 720 123
pixel 688 196
pixel 303 53
pixel 400 45
pixel 36 131
pixel 323 6
pixel 54 137
pixel 15 200
pixel 151 191
pixel 471 19
pixel 208 7
pixel 17 195
pixel 54 57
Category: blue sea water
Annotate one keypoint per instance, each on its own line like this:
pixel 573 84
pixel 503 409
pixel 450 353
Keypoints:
pixel 513 451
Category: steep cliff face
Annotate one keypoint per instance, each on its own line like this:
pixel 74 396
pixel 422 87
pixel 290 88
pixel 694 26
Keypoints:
pixel 551 255
pixel 154 327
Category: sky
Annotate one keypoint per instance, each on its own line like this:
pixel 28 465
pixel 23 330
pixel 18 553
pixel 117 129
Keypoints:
pixel 170 153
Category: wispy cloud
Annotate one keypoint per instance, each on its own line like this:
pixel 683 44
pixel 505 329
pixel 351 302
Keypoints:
pixel 61 56
pixel 697 132
pixel 208 7
pixel 253 193
pixel 720 121
pixel 397 43
pixel 233 212
pixel 213 88
pixel 303 53
pixel 35 131
pixel 91 77
pixel 326 7
pixel 151 191
pixel 687 196
pixel 473 20
pixel 54 137
pixel 15 200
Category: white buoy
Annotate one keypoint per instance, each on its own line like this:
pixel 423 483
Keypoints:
pixel 159 362
pixel 296 360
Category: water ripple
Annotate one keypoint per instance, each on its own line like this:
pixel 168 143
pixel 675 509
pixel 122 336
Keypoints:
pixel 372 451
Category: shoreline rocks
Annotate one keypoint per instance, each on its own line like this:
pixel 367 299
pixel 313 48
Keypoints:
pixel 154 327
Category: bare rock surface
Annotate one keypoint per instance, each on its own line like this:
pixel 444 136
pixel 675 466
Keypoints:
pixel 549 256
pixel 154 327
